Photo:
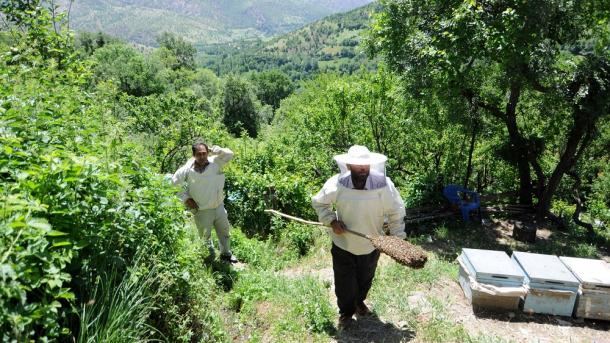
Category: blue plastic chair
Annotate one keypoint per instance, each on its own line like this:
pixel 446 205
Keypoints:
pixel 452 193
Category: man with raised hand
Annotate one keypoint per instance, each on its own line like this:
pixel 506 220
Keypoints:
pixel 204 194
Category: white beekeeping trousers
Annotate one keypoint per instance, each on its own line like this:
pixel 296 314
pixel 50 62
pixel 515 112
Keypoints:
pixel 219 219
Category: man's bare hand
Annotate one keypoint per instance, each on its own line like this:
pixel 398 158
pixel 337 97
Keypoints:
pixel 338 226
pixel 215 150
pixel 190 203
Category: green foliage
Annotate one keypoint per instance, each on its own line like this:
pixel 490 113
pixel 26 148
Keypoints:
pixel 205 84
pixel 256 252
pixel 534 76
pixel 119 308
pixel 183 53
pixel 271 87
pixel 79 199
pixel 266 176
pixel 88 42
pixel 135 74
pixel 33 278
pixel 19 11
pixel 299 237
pixel 35 33
pixel 239 107
pixel 166 125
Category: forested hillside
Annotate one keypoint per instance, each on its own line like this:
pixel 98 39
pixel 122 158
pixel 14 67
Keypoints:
pixel 199 22
pixel 510 99
pixel 328 45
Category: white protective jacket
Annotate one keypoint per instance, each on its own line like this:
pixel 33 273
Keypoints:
pixel 362 211
pixel 205 188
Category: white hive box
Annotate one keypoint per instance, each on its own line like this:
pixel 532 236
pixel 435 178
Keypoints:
pixel 490 279
pixel 594 297
pixel 552 287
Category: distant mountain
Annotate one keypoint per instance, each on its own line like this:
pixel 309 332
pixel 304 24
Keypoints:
pixel 330 44
pixel 201 22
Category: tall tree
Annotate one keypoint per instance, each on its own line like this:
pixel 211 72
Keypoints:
pixel 493 54
pixel 183 51
pixel 239 107
pixel 135 73
pixel 272 86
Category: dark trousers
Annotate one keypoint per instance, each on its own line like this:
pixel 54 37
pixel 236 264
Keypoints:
pixel 353 277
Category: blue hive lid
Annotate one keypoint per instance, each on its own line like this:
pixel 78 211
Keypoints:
pixel 492 266
pixel 591 273
pixel 545 270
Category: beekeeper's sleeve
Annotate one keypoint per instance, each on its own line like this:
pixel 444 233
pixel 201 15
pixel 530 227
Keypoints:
pixel 220 156
pixel 394 210
pixel 324 200
pixel 179 178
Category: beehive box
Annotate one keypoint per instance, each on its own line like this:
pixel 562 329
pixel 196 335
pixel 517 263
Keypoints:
pixel 490 279
pixel 552 287
pixel 594 297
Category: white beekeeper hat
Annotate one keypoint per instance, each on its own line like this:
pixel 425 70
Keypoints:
pixel 360 155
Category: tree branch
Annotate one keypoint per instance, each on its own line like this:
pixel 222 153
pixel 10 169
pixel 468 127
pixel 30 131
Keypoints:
pixel 474 101
pixel 579 205
pixel 539 175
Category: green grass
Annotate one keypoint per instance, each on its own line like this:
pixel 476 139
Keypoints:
pixel 119 308
pixel 269 304
pixel 290 309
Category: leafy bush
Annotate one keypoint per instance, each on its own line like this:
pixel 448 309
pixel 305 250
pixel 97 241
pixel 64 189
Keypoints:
pixel 264 177
pixel 134 73
pixel 33 278
pixel 299 237
pixel 79 199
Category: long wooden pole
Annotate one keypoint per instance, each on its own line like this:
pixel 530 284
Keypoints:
pixel 300 220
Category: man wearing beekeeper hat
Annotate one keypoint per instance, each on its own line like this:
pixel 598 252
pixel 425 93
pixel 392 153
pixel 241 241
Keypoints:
pixel 360 198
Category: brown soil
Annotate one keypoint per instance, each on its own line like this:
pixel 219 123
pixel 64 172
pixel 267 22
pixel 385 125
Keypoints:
pixel 517 326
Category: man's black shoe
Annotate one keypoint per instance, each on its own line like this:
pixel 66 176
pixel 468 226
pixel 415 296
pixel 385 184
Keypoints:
pixel 345 322
pixel 362 310
pixel 229 258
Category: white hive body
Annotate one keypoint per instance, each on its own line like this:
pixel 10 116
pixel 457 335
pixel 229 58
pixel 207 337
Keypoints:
pixel 552 286
pixel 594 296
pixel 490 279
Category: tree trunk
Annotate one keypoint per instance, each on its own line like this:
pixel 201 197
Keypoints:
pixel 518 143
pixel 579 208
pixel 567 160
pixel 470 152
pixel 541 179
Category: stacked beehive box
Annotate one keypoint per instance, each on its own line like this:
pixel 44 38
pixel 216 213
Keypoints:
pixel 552 287
pixel 490 279
pixel 594 296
